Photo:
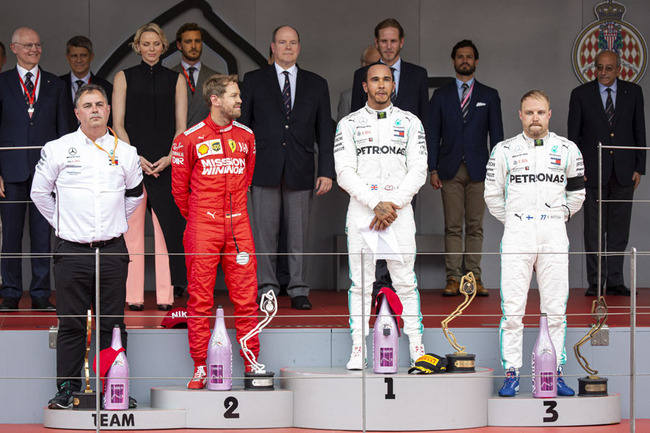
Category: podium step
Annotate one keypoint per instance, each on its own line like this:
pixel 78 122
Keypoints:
pixel 234 409
pixel 142 418
pixel 332 399
pixel 526 411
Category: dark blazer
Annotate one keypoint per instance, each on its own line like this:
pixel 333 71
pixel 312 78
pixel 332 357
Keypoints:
pixel 287 145
pixel 197 108
pixel 587 125
pixel 108 88
pixel 49 122
pixel 412 94
pixel 450 139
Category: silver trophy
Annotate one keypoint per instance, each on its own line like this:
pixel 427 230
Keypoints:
pixel 259 379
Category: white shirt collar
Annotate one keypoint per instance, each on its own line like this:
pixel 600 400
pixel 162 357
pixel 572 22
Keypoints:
pixel 22 71
pixel 188 66
pixel 293 70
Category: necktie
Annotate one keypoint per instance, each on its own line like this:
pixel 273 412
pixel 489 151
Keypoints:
pixel 29 86
pixel 464 101
pixel 286 94
pixel 393 95
pixel 190 73
pixel 609 107
pixel 79 83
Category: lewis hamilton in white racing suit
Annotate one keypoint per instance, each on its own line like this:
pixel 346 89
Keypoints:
pixel 534 185
pixel 380 157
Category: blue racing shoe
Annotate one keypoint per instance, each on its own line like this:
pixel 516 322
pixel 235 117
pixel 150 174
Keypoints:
pixel 510 386
pixel 562 388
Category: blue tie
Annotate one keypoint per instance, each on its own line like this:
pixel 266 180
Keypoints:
pixel 286 94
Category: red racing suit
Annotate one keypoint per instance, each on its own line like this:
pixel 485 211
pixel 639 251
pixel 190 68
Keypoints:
pixel 212 168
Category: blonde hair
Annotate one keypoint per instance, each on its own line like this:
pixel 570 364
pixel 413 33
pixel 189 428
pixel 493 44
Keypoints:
pixel 149 27
pixel 540 95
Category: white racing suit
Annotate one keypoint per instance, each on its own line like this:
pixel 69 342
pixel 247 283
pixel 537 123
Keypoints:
pixel 534 189
pixel 381 156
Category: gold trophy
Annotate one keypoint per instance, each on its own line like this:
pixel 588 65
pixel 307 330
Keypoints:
pixel 461 361
pixel 86 399
pixel 592 385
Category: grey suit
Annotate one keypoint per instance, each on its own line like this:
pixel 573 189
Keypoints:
pixel 197 108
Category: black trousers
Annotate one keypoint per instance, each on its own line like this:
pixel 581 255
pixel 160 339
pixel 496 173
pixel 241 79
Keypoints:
pixel 172 223
pixel 74 276
pixel 13 222
pixel 615 232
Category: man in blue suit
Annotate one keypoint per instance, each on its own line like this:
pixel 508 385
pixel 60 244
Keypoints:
pixel 411 94
pixel 287 108
pixel 32 112
pixel 462 115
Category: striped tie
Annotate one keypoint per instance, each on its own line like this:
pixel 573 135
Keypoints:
pixel 609 107
pixel 464 103
pixel 29 85
pixel 286 94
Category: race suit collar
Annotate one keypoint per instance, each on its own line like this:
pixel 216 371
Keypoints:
pixel 217 128
pixel 531 141
pixel 388 111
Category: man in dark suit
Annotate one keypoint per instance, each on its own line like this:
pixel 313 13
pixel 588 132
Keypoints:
pixel 287 107
pixel 411 94
pixel 79 53
pixel 608 111
pixel 189 41
pixel 32 112
pixel 411 90
pixel 462 114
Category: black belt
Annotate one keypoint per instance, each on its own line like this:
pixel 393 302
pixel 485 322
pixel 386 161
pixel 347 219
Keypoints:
pixel 98 244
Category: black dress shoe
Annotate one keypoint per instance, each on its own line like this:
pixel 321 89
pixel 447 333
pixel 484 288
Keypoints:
pixel 592 291
pixel 136 307
pixel 164 307
pixel 42 304
pixel 178 291
pixel 9 304
pixel 618 290
pixel 300 303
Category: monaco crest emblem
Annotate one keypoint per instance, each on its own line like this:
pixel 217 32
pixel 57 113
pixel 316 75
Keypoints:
pixel 610 32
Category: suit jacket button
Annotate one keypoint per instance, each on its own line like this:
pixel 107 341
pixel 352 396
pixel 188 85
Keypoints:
pixel 284 144
pixel 611 152
pixel 31 123
pixel 286 126
pixel 611 135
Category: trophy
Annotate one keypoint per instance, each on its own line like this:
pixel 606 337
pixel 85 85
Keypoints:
pixel 592 385
pixel 460 362
pixel 259 379
pixel 86 399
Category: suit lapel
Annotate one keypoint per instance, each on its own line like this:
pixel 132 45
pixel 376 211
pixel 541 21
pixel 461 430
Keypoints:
pixel 473 99
pixel 301 89
pixel 274 86
pixel 597 102
pixel 621 101
pixel 44 92
pixel 17 91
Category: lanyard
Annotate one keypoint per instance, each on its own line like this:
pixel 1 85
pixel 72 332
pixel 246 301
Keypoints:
pixel 110 155
pixel 187 77
pixel 469 94
pixel 31 96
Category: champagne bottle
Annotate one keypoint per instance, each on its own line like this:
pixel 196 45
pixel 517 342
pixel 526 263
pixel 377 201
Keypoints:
pixel 116 395
pixel 386 341
pixel 544 363
pixel 219 356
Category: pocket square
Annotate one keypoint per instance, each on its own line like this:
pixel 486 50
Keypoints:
pixel 481 104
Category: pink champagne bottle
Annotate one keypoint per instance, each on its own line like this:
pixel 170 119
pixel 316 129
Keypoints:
pixel 386 341
pixel 116 395
pixel 544 363
pixel 219 356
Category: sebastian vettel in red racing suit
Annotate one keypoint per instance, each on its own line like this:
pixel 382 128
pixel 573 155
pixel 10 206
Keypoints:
pixel 212 169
